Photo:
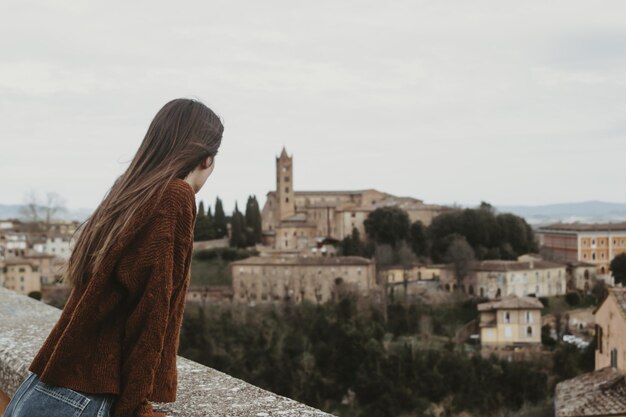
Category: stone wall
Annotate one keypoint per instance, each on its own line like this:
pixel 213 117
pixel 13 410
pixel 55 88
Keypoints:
pixel 202 391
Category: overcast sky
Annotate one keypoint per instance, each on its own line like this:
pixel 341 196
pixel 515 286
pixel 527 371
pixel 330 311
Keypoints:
pixel 511 102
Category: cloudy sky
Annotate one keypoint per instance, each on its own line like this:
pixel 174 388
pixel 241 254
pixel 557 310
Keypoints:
pixel 448 101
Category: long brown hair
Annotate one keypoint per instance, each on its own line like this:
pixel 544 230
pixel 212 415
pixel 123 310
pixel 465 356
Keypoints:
pixel 181 135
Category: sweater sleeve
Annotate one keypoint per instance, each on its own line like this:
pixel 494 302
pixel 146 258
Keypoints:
pixel 145 328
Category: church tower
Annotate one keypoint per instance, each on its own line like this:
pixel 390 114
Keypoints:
pixel 284 186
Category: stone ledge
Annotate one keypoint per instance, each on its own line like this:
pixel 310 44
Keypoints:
pixel 202 391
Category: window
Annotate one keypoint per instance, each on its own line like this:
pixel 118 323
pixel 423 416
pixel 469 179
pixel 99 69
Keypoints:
pixel 593 256
pixel 286 189
pixel 22 270
pixel 508 332
pixel 593 242
pixel 529 317
pixel 529 331
pixel 286 179
pixel 286 199
pixel 614 358
pixel 599 338
pixel 507 317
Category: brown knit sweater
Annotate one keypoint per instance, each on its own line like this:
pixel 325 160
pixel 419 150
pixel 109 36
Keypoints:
pixel 120 334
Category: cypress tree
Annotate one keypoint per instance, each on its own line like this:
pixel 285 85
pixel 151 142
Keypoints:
pixel 219 221
pixel 199 229
pixel 237 229
pixel 253 220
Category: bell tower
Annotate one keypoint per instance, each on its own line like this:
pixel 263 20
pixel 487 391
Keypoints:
pixel 284 185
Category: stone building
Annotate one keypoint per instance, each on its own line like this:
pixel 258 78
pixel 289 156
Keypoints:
pixel 496 279
pixel 510 321
pixel 597 244
pixel 20 275
pixel 602 392
pixel 396 274
pixel 293 279
pixel 293 221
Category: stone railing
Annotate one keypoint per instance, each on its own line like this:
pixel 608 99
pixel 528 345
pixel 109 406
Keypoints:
pixel 202 391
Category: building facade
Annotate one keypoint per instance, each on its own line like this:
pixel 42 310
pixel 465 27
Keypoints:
pixel 259 280
pixel 611 330
pixel 294 220
pixel 20 275
pixel 496 279
pixel 596 244
pixel 510 321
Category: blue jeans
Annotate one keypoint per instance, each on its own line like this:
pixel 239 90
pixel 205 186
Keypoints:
pixel 35 398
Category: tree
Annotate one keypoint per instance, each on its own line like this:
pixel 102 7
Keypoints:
pixel 352 245
pixel 618 268
pixel 237 229
pixel 461 255
pixel 491 235
pixel 36 210
pixel 387 225
pixel 202 228
pixel 219 219
pixel 253 220
pixel 417 238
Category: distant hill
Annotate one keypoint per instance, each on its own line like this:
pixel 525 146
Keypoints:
pixel 584 212
pixel 12 211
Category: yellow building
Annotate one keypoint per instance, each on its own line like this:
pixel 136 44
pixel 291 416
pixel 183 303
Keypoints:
pixel 294 279
pixel 600 393
pixel 21 275
pixel 597 244
pixel 496 279
pixel 611 330
pixel 510 321
pixel 396 274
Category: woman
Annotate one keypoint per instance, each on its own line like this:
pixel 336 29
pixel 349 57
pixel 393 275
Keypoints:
pixel 114 347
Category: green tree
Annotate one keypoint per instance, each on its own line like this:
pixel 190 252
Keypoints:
pixel 418 239
pixel 352 245
pixel 219 219
pixel 202 228
pixel 618 268
pixel 253 220
pixel 237 229
pixel 491 235
pixel 388 225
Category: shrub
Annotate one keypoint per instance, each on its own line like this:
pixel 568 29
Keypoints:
pixel 205 254
pixel 572 298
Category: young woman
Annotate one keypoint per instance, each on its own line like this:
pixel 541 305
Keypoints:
pixel 114 346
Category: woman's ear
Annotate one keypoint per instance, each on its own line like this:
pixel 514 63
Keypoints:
pixel 206 162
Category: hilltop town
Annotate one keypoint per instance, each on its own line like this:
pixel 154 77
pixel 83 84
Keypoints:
pixel 471 280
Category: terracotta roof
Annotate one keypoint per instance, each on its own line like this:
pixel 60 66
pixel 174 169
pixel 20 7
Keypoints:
pixel 19 261
pixel 598 393
pixel 301 260
pixel 511 303
pixel 585 227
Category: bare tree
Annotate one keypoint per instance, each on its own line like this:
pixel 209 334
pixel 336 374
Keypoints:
pixel 405 255
pixel 42 211
pixel 461 255
pixel 383 255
